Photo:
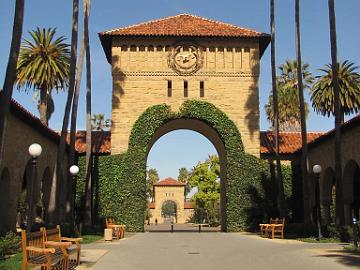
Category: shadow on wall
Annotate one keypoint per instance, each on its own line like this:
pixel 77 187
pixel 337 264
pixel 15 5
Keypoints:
pixel 252 103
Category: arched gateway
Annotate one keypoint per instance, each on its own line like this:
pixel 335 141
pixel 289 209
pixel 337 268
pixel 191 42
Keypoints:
pixel 204 73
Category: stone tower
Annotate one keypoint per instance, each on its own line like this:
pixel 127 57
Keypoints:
pixel 184 57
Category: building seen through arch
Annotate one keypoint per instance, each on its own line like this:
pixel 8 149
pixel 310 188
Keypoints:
pixel 172 190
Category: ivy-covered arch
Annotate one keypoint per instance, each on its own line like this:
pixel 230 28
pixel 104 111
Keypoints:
pixel 122 177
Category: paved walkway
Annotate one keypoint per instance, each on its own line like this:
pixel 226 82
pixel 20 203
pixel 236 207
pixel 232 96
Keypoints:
pixel 224 251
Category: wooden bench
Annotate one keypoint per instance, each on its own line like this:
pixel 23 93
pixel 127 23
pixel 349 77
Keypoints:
pixel 275 228
pixel 118 229
pixel 67 245
pixel 35 253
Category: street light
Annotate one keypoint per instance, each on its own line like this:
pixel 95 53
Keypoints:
pixel 73 170
pixel 34 151
pixel 355 233
pixel 317 171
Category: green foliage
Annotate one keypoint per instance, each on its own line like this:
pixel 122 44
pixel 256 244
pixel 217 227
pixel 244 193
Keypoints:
pixel 183 177
pixel 322 93
pixel 152 177
pixel 44 64
pixel 288 96
pixel 168 209
pixel 120 179
pixel 12 263
pixel 99 123
pixel 9 244
pixel 205 176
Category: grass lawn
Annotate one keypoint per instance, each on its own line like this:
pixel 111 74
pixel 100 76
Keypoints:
pixel 323 240
pixel 12 263
pixel 90 238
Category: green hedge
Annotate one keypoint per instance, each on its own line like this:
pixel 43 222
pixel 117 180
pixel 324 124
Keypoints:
pixel 120 179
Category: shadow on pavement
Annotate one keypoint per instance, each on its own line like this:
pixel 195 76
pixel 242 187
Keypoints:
pixel 345 257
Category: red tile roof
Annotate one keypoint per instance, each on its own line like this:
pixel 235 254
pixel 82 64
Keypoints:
pixel 169 182
pixel 289 142
pixel 151 205
pixel 183 25
pixel 101 142
pixel 188 205
pixel 348 125
pixel 23 114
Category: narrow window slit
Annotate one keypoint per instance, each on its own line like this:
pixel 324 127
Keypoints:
pixel 202 90
pixel 185 89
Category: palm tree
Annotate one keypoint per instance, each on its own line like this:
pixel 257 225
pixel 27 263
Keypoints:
pixel 337 113
pixel 304 152
pixel 44 65
pixel 10 75
pixel 322 92
pixel 88 188
pixel 99 123
pixel 289 74
pixel 288 97
pixel 281 196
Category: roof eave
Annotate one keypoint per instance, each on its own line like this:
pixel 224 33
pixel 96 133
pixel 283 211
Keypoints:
pixel 106 40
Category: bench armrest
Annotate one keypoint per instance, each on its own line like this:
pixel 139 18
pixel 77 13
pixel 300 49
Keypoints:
pixel 40 250
pixel 57 244
pixel 71 239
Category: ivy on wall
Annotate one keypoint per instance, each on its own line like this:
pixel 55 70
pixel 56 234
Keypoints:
pixel 120 179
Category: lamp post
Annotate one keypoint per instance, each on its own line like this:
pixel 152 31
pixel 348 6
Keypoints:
pixel 73 170
pixel 34 151
pixel 355 233
pixel 317 171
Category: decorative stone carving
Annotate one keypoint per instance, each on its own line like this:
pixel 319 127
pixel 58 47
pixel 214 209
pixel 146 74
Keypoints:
pixel 185 58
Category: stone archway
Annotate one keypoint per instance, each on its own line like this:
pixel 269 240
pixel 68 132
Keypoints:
pixel 5 182
pixel 212 135
pixel 351 190
pixel 166 212
pixel 327 193
pixel 122 177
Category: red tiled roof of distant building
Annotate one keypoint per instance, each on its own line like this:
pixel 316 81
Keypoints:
pixel 151 205
pixel 289 142
pixel 23 114
pixel 169 182
pixel 101 142
pixel 188 205
pixel 183 25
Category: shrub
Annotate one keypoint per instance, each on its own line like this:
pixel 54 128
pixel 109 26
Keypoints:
pixel 9 244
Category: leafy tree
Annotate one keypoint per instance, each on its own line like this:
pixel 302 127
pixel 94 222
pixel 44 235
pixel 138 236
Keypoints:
pixel 183 177
pixel 205 176
pixel 152 177
pixel 99 123
pixel 288 97
pixel 168 209
pixel 322 92
pixel 44 65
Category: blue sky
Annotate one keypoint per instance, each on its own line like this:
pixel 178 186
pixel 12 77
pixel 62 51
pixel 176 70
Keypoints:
pixel 108 14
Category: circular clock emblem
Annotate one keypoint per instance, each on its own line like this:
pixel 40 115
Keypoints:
pixel 185 59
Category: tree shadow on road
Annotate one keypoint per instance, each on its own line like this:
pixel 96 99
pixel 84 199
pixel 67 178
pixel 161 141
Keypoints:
pixel 345 257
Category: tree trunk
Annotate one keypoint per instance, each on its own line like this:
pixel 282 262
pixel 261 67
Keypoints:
pixel 10 75
pixel 43 104
pixel 62 146
pixel 280 186
pixel 337 113
pixel 304 152
pixel 73 123
pixel 88 185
